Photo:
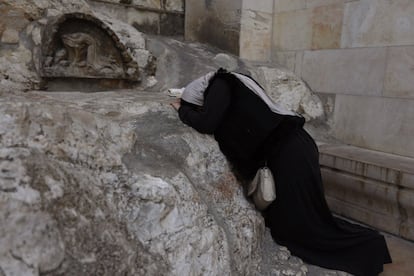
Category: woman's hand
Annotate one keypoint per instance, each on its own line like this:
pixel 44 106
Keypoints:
pixel 176 104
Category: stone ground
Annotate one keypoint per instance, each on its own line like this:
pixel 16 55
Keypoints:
pixel 402 253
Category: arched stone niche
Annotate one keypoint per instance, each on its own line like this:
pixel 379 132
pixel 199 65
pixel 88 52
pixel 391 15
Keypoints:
pixel 82 47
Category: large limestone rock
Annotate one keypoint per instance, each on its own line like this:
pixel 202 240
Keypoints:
pixel 114 183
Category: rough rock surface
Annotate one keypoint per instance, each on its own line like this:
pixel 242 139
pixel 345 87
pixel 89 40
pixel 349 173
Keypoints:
pixel 112 182
pixel 107 184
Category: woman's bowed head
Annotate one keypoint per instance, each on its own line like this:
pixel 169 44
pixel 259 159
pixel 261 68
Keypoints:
pixel 252 130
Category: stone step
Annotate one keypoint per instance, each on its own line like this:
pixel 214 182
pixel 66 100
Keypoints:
pixel 369 186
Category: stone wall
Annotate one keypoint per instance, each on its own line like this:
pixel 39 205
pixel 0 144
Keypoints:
pixel 358 58
pixel 256 30
pixel 214 22
pixel 242 27
pixel 358 55
pixel 164 17
pixel 15 57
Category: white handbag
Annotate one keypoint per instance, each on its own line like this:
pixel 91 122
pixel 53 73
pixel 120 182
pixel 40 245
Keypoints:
pixel 262 189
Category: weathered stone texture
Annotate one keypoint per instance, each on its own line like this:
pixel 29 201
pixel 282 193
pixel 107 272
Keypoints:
pixel 368 186
pixel 319 3
pixel 113 183
pixel 378 126
pixel 291 60
pixel 289 91
pixel 299 34
pixel 399 81
pixel 214 22
pixel 165 17
pixel 255 35
pixel 15 73
pixel 155 4
pixel 342 72
pixel 265 6
pixel 378 23
pixel 287 59
pixel 84 165
pixel 327 26
pixel 12 21
pixel 10 36
pixel 289 5
pixel 174 5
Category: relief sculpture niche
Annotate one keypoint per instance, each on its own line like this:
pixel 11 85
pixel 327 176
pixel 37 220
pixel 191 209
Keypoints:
pixel 82 47
pixel 81 54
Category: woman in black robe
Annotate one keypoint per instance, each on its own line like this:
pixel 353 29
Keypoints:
pixel 250 132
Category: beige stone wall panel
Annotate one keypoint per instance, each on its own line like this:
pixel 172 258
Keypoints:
pixel 255 35
pixel 260 6
pixel 292 30
pixel 327 26
pixel 289 5
pixel 320 3
pixel 378 23
pixel 286 59
pixel 376 123
pixel 350 71
pixel 399 80
pixel 298 63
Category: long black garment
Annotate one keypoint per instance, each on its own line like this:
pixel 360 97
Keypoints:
pixel 248 133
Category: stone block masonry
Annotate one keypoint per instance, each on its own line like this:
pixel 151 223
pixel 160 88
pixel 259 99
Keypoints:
pixel 363 49
pixel 370 187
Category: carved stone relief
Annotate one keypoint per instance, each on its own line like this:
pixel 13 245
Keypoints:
pixel 81 46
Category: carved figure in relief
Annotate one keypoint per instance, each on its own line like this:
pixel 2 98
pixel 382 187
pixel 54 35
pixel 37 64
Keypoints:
pixel 81 51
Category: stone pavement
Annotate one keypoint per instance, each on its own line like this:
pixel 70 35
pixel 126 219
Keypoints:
pixel 402 253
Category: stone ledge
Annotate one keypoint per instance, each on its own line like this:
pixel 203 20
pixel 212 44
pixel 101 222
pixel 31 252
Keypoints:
pixel 369 186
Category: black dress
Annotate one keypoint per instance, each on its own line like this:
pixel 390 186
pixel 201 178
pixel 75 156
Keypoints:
pixel 248 133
